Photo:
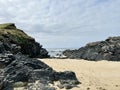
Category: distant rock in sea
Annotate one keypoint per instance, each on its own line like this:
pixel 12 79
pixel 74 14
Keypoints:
pixel 101 50
pixel 16 40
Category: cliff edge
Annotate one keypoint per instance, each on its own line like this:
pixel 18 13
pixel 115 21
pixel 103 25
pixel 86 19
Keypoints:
pixel 16 40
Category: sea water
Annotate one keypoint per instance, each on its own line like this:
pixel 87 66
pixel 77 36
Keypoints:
pixel 58 52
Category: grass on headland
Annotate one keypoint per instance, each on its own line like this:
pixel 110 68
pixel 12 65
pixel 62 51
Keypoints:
pixel 10 30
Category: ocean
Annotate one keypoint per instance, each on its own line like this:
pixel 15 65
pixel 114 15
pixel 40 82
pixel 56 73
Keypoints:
pixel 57 52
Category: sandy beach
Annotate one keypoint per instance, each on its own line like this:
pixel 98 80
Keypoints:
pixel 101 75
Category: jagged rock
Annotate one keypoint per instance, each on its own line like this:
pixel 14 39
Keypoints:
pixel 25 69
pixel 17 67
pixel 15 40
pixel 43 53
pixel 2 47
pixel 102 50
pixel 6 59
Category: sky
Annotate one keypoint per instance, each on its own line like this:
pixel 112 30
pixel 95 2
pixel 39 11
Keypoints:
pixel 63 23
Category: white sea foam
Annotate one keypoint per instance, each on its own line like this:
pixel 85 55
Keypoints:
pixel 57 52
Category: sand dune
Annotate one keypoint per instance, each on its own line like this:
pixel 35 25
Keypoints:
pixel 101 75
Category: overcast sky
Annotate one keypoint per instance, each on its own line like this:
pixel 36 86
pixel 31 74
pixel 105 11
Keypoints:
pixel 63 23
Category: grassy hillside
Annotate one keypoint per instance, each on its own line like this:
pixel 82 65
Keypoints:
pixel 16 40
pixel 9 31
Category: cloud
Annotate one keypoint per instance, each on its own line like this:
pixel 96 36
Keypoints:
pixel 63 23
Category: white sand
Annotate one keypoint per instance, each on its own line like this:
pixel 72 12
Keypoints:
pixel 101 75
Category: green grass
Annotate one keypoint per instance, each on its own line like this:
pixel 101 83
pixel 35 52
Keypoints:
pixel 15 32
pixel 10 30
pixel 7 26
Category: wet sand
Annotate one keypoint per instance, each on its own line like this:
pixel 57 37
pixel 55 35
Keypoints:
pixel 101 75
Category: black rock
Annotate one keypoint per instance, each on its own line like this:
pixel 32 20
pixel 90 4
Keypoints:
pixel 6 59
pixel 15 40
pixel 25 69
pixel 102 50
pixel 67 79
pixel 2 48
pixel 17 64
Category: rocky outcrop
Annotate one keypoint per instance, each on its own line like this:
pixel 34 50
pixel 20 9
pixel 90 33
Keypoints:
pixel 18 69
pixel 15 40
pixel 24 69
pixel 101 50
